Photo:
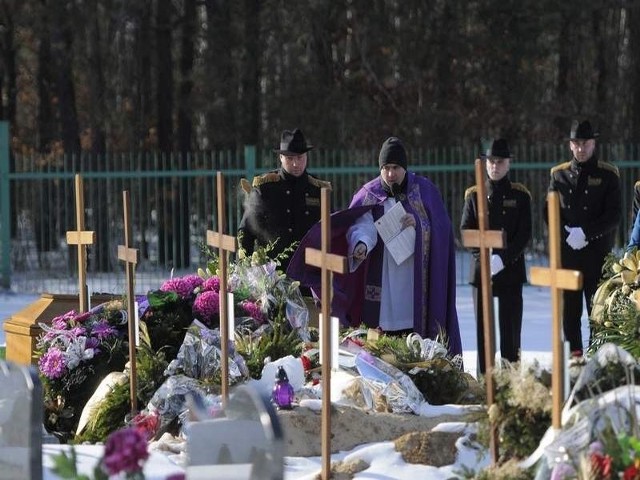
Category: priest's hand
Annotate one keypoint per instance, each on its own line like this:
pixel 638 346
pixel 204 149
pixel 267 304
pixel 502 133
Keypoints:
pixel 408 220
pixel 360 251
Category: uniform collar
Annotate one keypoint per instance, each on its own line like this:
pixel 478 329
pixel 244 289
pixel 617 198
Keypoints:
pixel 291 178
pixel 500 185
pixel 577 166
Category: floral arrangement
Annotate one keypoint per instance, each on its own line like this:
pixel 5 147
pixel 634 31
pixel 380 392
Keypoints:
pixel 615 316
pixel 613 457
pixel 125 453
pixel 74 354
pixel 521 413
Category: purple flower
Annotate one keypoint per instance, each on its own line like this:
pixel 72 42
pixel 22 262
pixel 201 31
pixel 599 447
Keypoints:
pixel 92 342
pixel 125 451
pixel 206 305
pixel 212 283
pixel 59 323
pixel 183 286
pixel 253 310
pixel 78 331
pixel 52 364
pixel 102 331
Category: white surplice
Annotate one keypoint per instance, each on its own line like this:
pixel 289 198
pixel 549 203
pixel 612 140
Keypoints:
pixel 396 301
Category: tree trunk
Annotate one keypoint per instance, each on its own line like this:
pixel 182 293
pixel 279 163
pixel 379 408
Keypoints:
pixel 164 101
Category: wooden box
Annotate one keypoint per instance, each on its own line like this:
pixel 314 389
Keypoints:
pixel 22 329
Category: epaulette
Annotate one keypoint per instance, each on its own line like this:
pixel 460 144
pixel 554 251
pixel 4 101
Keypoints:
pixel 608 166
pixel 470 191
pixel 316 182
pixel 562 166
pixel 636 185
pixel 268 177
pixel 521 187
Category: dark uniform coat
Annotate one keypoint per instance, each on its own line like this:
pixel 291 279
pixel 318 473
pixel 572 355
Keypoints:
pixel 590 198
pixel 280 207
pixel 509 206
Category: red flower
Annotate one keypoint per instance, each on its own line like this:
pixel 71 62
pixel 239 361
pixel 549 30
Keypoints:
pixel 146 423
pixel 631 473
pixel 306 363
pixel 601 465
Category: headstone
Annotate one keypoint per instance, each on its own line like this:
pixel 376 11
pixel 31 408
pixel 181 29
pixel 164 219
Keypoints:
pixel 328 263
pixel 224 244
pixel 246 443
pixel 20 423
pixel 557 279
pixel 485 239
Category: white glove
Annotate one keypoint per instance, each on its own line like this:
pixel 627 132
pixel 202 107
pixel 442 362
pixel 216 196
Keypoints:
pixel 497 265
pixel 576 238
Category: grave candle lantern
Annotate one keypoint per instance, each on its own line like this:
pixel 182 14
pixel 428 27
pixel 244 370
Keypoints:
pixel 282 394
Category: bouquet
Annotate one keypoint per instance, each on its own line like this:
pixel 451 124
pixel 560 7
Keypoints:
pixel 74 354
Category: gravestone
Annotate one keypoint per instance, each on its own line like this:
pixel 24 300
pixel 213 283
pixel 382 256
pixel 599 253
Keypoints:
pixel 20 423
pixel 247 443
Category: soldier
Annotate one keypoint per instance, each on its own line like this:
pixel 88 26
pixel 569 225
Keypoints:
pixel 509 209
pixel 282 204
pixel 590 210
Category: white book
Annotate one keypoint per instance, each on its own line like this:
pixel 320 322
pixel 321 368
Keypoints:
pixel 401 242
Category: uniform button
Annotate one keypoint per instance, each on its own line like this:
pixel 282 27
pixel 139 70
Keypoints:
pixel 306 194
pixel 570 191
pixel 290 230
pixel 586 191
pixel 504 212
pixel 288 210
pixel 306 212
pixel 585 208
pixel 288 192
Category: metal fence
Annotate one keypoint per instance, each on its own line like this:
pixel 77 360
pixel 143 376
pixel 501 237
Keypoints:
pixel 173 203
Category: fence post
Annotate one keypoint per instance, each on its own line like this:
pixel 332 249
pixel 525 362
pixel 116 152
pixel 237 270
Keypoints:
pixel 5 210
pixel 250 162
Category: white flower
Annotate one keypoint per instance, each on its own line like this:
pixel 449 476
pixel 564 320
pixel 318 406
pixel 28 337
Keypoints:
pixel 76 352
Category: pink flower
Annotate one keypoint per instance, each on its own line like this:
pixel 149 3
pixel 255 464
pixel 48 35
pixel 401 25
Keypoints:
pixel 125 451
pixel 183 286
pixel 52 364
pixel 212 283
pixel 207 305
pixel 253 310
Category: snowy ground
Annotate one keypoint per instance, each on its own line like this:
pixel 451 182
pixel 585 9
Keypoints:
pixel 385 462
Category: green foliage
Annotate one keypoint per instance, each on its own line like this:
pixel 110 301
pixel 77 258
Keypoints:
pixel 615 316
pixel 438 379
pixel 521 413
pixel 167 320
pixel 110 415
pixel 275 342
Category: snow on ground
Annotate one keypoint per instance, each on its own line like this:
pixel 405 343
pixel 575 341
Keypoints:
pixel 385 462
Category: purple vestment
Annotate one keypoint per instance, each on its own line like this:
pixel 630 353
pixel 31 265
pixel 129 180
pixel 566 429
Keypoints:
pixel 355 300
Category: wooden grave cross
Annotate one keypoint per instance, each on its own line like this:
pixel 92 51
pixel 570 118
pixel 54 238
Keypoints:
pixel 485 239
pixel 81 238
pixel 130 258
pixel 224 244
pixel 328 263
pixel 557 279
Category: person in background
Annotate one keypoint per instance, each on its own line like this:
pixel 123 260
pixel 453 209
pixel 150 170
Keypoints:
pixel 590 212
pixel 417 294
pixel 634 239
pixel 509 209
pixel 282 205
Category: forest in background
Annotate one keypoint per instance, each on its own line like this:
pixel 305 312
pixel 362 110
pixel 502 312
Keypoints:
pixel 188 75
